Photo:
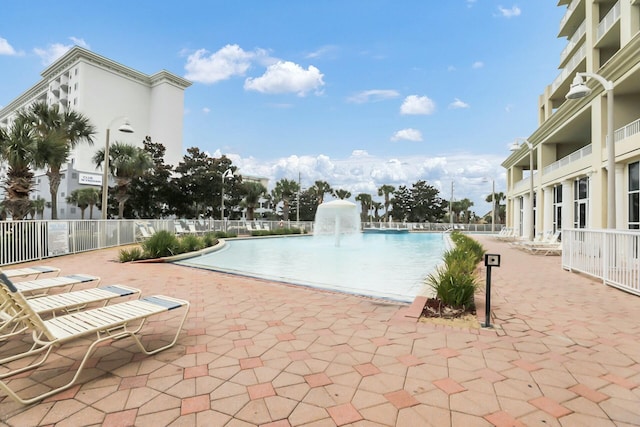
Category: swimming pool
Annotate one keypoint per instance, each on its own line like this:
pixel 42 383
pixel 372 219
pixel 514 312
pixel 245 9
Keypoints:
pixel 391 266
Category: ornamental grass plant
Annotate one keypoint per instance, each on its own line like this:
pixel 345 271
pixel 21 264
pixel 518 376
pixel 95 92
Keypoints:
pixel 455 281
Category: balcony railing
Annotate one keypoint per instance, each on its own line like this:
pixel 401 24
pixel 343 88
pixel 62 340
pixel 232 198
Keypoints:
pixel 572 6
pixel 571 66
pixel 575 156
pixel 611 18
pixel 573 41
pixel 627 131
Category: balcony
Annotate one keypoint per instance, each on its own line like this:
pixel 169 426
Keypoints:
pixel 573 157
pixel 574 15
pixel 569 70
pixel 627 131
pixel 573 42
pixel 605 37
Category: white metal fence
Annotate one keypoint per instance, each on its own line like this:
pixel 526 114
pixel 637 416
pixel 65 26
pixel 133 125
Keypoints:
pixel 610 255
pixel 22 241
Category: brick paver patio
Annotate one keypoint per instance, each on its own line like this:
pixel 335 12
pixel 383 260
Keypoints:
pixel 564 351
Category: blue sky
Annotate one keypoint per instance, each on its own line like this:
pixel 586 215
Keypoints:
pixel 359 93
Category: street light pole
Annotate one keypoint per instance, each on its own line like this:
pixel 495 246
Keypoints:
pixel 579 90
pixel 227 174
pixel 125 128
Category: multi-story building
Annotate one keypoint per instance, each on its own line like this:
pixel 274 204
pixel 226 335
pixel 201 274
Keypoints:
pixel 562 175
pixel 108 93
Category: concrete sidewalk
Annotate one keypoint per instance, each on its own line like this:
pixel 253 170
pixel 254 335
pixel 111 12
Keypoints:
pixel 565 351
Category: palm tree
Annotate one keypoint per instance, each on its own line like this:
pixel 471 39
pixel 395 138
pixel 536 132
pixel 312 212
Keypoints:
pixel 376 206
pixel 17 148
pixel 56 133
pixel 252 193
pixel 284 190
pixel 319 189
pixel 365 203
pixel 92 196
pixel 465 204
pixel 342 194
pixel 125 163
pixel 497 198
pixel 37 208
pixel 76 198
pixel 386 190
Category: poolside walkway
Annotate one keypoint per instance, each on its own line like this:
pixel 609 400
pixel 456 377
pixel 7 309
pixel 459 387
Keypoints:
pixel 565 351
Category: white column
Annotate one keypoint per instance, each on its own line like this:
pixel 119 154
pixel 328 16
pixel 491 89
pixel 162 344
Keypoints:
pixel 622 200
pixel 592 206
pixel 515 214
pixel 547 206
pixel 526 216
pixel 567 204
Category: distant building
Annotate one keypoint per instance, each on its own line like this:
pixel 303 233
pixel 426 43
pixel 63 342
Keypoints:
pixel 107 93
pixel 569 164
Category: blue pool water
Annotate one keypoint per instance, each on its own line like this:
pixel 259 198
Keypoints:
pixel 391 266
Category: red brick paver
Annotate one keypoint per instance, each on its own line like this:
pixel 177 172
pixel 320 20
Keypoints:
pixel 562 351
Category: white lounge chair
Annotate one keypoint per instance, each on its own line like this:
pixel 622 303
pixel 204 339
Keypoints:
pixel 12 323
pixel 143 232
pixel 106 323
pixel 178 228
pixel 31 271
pixel 43 286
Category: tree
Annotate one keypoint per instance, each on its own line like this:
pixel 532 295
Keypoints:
pixel 306 205
pixel 125 163
pixel 252 193
pixel 92 196
pixel 376 206
pixel 17 148
pixel 464 206
pixel 57 133
pixel 76 198
pixel 319 189
pixel 386 191
pixel 365 204
pixel 283 192
pixel 427 204
pixel 341 194
pixel 152 192
pixel 402 202
pixel 37 208
pixel 498 208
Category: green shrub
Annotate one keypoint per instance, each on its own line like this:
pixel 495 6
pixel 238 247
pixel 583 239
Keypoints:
pixel 162 244
pixel 190 243
pixel 128 255
pixel 210 239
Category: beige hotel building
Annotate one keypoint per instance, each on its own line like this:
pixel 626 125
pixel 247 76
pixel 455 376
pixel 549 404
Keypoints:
pixel 561 176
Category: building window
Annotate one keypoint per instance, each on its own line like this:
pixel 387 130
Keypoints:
pixel 72 210
pixel 581 203
pixel 557 208
pixel 74 175
pixel 634 196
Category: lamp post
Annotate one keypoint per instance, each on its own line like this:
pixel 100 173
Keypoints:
pixel 579 90
pixel 124 128
pixel 227 174
pixel 514 147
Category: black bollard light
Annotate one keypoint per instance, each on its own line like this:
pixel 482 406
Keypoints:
pixel 490 260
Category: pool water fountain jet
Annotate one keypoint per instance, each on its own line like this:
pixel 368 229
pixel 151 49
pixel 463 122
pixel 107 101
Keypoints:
pixel 336 218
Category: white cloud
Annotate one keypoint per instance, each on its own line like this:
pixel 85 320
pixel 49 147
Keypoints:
pixel 322 52
pixel 456 104
pixel 56 50
pixel 477 64
pixel 287 77
pixel 362 172
pixel 408 135
pixel 451 68
pixel 229 61
pixel 470 3
pixel 414 104
pixel 509 12
pixel 6 48
pixel 206 110
pixel 373 95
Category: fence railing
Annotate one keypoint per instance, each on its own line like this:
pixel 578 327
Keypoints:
pixel 610 255
pixel 23 241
